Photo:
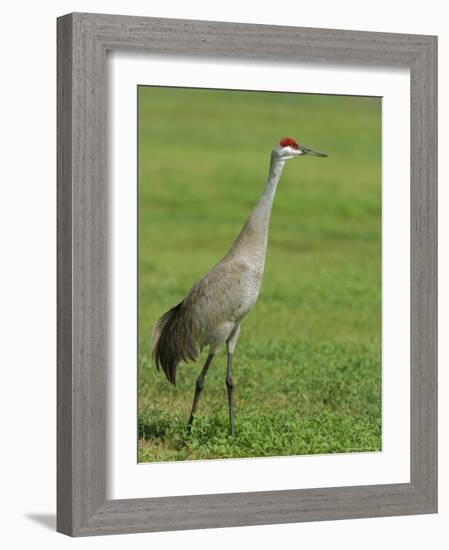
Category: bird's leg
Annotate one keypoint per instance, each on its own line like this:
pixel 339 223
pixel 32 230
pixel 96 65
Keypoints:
pixel 230 345
pixel 230 388
pixel 198 389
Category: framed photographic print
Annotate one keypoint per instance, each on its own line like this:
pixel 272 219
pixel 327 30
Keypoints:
pixel 246 274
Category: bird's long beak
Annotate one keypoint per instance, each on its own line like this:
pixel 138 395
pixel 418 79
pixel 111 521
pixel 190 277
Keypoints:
pixel 306 151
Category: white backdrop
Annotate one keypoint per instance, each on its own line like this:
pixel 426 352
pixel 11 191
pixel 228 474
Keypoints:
pixel 27 218
pixel 392 465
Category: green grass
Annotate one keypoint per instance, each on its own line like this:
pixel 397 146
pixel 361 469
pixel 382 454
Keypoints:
pixel 308 364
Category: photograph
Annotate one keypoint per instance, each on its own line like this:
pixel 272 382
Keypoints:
pixel 259 274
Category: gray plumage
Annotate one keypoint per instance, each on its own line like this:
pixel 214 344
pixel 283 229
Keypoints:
pixel 211 313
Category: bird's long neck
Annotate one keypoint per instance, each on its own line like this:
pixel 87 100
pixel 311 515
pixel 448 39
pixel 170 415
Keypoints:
pixel 252 240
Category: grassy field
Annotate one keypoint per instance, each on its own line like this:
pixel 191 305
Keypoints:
pixel 308 364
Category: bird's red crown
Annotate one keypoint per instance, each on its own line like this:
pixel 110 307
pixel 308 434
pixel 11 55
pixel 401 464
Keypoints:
pixel 289 142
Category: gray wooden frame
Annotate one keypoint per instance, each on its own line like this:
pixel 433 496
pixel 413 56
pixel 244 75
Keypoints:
pixel 83 40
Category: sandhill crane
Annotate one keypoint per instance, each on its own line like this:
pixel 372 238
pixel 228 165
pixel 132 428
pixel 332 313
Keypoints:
pixel 211 313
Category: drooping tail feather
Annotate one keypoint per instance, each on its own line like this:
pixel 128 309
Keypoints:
pixel 173 342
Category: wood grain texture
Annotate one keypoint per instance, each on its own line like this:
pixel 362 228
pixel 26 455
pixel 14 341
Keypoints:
pixel 64 276
pixel 423 274
pixel 83 40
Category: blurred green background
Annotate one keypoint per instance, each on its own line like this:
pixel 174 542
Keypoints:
pixel 307 367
